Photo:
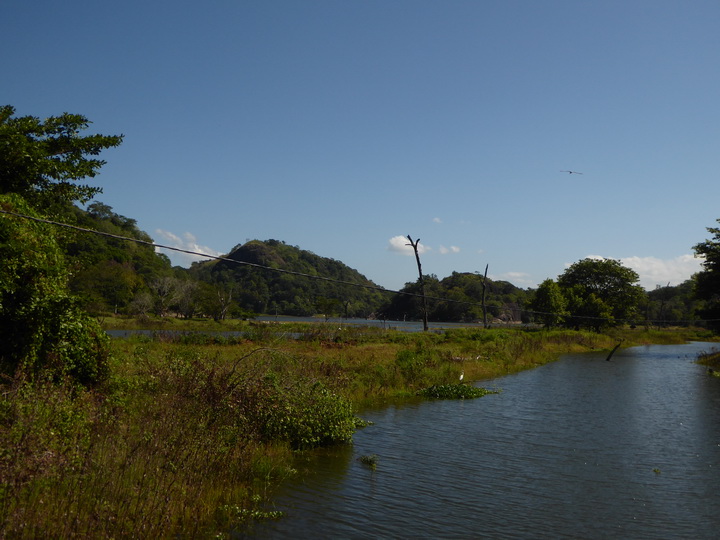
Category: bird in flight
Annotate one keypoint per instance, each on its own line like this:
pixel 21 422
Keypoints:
pixel 572 172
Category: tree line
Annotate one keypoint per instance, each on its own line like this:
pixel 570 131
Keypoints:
pixel 52 277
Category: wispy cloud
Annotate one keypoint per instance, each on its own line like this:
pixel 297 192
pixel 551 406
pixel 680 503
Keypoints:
pixel 445 250
pixel 187 242
pixel 400 244
pixel 437 220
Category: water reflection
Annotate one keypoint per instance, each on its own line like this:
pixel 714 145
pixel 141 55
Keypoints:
pixel 580 448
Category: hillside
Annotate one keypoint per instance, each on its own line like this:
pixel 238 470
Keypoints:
pixel 293 286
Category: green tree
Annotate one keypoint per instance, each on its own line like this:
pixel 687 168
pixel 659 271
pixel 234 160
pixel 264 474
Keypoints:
pixel 550 304
pixel 42 160
pixel 42 328
pixel 708 281
pixel 106 286
pixel 409 305
pixel 587 310
pixel 673 305
pixel 600 292
pixel 108 273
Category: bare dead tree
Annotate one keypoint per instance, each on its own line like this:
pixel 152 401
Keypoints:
pixel 422 281
pixel 485 323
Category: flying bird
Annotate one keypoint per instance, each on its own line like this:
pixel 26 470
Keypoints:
pixel 572 172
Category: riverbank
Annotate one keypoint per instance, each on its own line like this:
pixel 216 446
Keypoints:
pixel 192 431
pixel 633 440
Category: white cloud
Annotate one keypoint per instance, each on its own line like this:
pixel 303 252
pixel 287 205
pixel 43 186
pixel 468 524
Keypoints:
pixel 654 271
pixel 400 244
pixel 452 249
pixel 437 220
pixel 187 242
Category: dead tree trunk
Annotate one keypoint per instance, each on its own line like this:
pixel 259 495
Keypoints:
pixel 485 323
pixel 615 349
pixel 422 282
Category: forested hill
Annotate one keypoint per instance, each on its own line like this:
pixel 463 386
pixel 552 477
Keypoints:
pixel 263 290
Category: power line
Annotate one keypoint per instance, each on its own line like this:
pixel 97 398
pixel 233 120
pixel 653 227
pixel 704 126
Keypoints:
pixel 310 276
pixel 216 257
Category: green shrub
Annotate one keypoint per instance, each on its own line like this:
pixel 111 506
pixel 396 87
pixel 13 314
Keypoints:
pixel 42 329
pixel 306 414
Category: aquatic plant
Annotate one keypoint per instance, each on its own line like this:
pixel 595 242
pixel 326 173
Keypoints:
pixel 237 514
pixel 455 391
pixel 305 413
pixel 370 461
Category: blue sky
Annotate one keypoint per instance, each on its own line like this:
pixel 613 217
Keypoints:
pixel 343 126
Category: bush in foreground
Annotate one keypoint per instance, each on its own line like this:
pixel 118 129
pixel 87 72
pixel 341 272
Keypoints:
pixel 42 329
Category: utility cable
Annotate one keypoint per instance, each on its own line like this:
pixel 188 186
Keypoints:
pixel 310 276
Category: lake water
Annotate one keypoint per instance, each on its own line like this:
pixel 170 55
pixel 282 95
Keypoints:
pixel 579 448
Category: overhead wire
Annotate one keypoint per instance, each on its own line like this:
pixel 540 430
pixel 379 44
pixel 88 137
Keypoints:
pixel 156 246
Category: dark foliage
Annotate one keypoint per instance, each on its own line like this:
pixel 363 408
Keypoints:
pixel 708 281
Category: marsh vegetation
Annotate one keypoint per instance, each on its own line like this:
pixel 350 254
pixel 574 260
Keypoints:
pixel 191 432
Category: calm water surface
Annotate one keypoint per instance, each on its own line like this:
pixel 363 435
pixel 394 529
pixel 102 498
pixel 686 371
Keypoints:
pixel 580 448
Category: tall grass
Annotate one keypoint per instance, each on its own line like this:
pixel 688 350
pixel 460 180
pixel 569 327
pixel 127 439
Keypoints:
pixel 175 437
pixel 189 435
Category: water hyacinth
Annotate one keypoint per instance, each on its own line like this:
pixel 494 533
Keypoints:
pixel 455 391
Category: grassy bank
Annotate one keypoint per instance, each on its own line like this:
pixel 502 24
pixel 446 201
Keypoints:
pixel 711 359
pixel 191 432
